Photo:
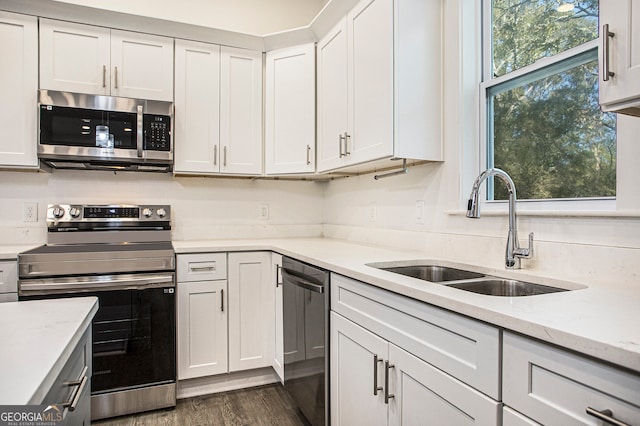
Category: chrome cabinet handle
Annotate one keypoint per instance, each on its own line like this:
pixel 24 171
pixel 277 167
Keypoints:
pixel 215 155
pixel 308 157
pixel 80 384
pixel 222 300
pixel 341 138
pixel 606 35
pixel 104 76
pixel 387 395
pixel 347 138
pixel 116 77
pixel 224 156
pixel 606 416
pixel 278 275
pixel 376 388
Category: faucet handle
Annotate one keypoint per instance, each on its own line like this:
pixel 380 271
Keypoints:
pixel 527 253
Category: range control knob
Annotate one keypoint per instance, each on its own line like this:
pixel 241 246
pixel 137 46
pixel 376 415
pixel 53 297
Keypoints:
pixel 74 212
pixel 146 212
pixel 58 212
pixel 161 212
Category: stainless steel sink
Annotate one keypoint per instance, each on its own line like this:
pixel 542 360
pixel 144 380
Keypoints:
pixel 433 273
pixel 504 287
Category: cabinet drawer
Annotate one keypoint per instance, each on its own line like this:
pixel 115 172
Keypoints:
pixel 202 267
pixel 74 379
pixel 466 349
pixel 8 277
pixel 554 386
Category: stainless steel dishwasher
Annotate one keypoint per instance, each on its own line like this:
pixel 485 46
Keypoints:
pixel 306 338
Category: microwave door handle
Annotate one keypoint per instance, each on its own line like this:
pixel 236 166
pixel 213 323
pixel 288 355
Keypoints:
pixel 140 135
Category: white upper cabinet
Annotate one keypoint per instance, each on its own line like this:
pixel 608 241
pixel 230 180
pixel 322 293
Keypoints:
pixel 620 56
pixel 197 103
pixel 218 117
pixel 370 81
pixel 380 84
pixel 241 111
pixel 290 110
pixel 142 66
pixel 331 81
pixel 95 60
pixel 19 88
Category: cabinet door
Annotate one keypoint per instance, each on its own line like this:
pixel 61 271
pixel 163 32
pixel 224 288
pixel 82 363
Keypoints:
pixel 370 94
pixel 197 102
pixel 354 375
pixel 555 387
pixel 623 18
pixel 290 110
pixel 19 88
pixel 74 57
pixel 202 328
pixel 241 111
pixel 251 306
pixel 332 98
pixel 278 350
pixel 421 391
pixel 142 66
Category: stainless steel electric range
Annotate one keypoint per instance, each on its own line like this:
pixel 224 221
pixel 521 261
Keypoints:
pixel 123 255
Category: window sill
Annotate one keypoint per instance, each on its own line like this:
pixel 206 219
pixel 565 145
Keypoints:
pixel 612 214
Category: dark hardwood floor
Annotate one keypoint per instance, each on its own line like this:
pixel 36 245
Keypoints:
pixel 263 405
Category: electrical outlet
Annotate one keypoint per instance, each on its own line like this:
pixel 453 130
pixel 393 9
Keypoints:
pixel 373 211
pixel 30 212
pixel 263 211
pixel 420 212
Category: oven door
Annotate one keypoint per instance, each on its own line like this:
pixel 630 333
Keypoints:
pixel 133 331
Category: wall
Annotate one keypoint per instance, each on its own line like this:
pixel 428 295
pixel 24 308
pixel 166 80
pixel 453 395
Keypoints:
pixel 259 17
pixel 202 208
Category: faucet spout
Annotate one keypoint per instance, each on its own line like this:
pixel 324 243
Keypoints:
pixel 513 251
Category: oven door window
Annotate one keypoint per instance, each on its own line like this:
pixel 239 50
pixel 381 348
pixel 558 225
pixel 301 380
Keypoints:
pixel 87 128
pixel 133 336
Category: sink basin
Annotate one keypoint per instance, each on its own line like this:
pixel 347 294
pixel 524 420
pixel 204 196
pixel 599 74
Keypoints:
pixel 433 273
pixel 504 287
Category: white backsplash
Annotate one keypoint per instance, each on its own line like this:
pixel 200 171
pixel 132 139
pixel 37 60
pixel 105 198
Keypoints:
pixel 202 208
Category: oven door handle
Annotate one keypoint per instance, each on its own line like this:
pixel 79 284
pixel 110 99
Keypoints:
pixel 301 282
pixel 92 284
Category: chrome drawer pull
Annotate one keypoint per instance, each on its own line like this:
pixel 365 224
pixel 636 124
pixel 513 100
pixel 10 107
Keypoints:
pixel 80 384
pixel 606 416
pixel 387 395
pixel 376 388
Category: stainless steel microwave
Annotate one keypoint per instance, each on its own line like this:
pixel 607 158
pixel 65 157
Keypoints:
pixel 80 131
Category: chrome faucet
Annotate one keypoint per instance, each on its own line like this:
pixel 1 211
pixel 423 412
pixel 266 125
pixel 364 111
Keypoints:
pixel 513 252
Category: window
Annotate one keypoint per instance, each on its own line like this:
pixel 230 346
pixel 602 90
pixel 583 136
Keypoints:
pixel 543 122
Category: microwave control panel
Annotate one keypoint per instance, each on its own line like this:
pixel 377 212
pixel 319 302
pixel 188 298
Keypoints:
pixel 157 132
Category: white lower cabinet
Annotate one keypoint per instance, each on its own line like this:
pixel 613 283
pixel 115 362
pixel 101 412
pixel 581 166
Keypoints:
pixel 392 360
pixel 374 382
pixel 251 311
pixel 225 313
pixel 8 281
pixel 555 387
pixel 278 335
pixel 202 329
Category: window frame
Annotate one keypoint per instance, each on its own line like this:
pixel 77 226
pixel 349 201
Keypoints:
pixel 605 204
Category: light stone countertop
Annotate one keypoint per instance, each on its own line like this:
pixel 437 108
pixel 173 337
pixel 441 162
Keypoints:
pixel 597 320
pixel 10 252
pixel 37 338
